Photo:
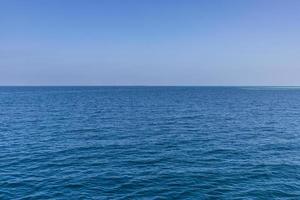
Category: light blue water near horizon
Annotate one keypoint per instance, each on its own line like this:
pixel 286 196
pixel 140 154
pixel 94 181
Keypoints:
pixel 149 143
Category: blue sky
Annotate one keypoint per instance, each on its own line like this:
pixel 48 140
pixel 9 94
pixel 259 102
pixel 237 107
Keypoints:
pixel 149 42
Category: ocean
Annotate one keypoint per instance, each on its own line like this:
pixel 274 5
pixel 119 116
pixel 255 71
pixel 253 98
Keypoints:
pixel 149 143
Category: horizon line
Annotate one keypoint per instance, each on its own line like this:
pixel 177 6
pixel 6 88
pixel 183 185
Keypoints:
pixel 132 85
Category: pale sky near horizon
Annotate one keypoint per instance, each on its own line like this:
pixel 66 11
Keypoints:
pixel 149 42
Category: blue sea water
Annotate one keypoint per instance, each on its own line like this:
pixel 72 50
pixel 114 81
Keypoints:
pixel 149 143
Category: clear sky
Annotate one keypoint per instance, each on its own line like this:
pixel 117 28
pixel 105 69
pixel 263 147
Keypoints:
pixel 150 42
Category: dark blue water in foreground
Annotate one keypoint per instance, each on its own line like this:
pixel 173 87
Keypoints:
pixel 149 143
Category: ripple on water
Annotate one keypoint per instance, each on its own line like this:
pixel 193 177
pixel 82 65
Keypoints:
pixel 149 143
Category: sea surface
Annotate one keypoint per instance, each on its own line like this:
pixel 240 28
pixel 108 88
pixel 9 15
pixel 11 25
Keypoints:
pixel 149 143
